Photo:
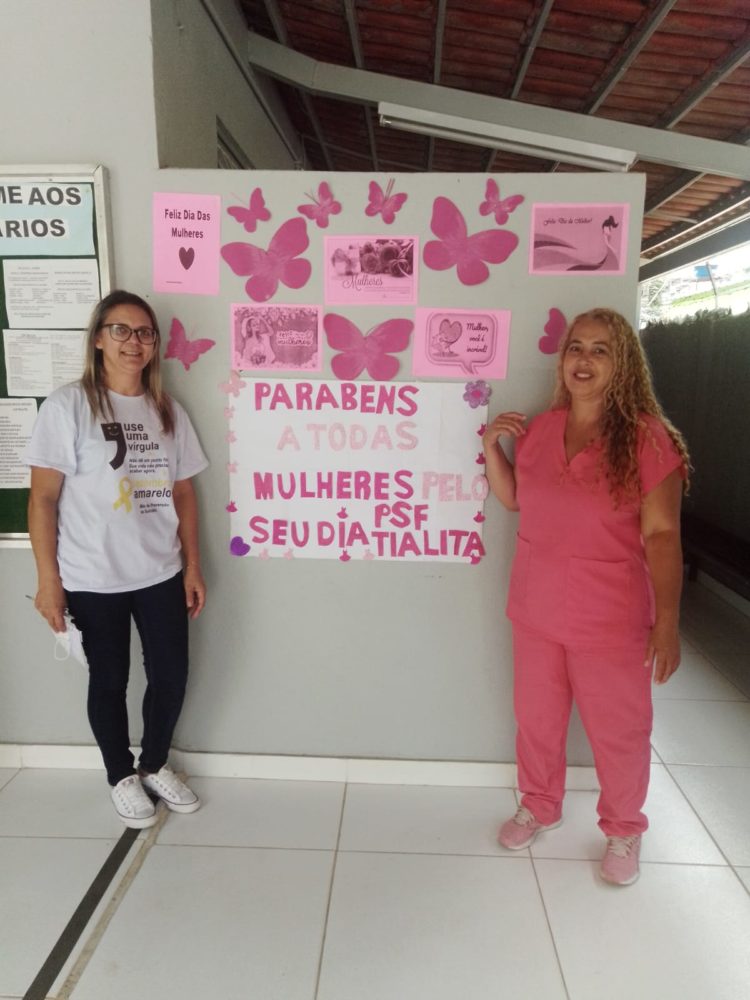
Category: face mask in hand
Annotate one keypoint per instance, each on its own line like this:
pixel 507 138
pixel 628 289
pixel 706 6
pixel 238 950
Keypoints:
pixel 68 643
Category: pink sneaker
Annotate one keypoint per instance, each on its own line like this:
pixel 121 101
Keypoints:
pixel 521 830
pixel 620 862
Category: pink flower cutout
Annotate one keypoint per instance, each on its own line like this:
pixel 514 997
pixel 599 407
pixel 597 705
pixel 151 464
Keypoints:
pixel 455 248
pixel 477 394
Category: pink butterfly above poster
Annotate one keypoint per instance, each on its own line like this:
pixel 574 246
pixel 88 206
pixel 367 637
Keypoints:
pixel 384 203
pixel 579 238
pixel 323 205
pixel 554 331
pixel 371 352
pixel 469 254
pixel 454 343
pixel 184 350
pixel 279 263
pixel 255 212
pixel 501 208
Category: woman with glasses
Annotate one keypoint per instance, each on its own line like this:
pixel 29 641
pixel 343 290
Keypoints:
pixel 113 523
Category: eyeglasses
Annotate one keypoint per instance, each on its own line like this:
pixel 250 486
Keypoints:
pixel 123 332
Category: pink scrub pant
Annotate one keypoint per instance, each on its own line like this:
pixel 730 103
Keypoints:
pixel 612 690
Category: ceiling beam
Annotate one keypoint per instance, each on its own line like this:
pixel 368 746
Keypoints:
pixel 541 20
pixel 344 83
pixel 696 94
pixel 437 69
pixel 698 251
pixel 359 61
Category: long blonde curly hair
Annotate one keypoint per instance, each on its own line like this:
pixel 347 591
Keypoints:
pixel 629 395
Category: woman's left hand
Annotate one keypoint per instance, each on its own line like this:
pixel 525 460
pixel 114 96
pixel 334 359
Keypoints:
pixel 195 590
pixel 663 651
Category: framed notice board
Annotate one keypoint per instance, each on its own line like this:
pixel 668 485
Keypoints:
pixel 55 265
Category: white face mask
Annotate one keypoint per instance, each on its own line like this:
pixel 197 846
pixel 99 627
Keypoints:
pixel 68 643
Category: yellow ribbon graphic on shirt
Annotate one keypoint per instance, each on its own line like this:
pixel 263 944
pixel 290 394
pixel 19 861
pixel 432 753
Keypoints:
pixel 126 490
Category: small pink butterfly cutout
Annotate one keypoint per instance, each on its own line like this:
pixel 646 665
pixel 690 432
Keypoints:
pixel 475 560
pixel 264 554
pixel 342 513
pixel 383 202
pixel 184 350
pixel 232 467
pixel 368 555
pixel 554 330
pixel 322 206
pixel 232 507
pixel 231 437
pixel 480 460
pixel 232 387
pixel 501 207
pixel 479 517
pixel 229 412
pixel 289 554
pixel 279 263
pixel 344 557
pixel 371 351
pixel 482 429
pixel 255 212
pixel 454 246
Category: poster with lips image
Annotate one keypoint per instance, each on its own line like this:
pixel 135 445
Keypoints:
pixel 186 240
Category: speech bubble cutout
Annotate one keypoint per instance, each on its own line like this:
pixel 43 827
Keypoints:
pixel 465 340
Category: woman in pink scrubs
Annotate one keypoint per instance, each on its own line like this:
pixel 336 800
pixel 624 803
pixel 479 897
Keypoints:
pixel 595 585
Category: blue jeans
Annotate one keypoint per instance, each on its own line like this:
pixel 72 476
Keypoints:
pixel 161 618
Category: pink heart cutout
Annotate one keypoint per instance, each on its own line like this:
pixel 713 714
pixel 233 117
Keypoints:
pixel 187 256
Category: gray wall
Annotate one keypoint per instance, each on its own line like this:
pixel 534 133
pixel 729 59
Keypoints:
pixel 433 682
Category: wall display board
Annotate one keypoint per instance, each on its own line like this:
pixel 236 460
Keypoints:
pixel 365 323
pixel 54 266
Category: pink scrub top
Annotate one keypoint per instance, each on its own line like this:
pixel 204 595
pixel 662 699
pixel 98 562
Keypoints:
pixel 579 574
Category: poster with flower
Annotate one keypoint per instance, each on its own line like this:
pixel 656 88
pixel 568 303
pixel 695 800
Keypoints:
pixel 366 270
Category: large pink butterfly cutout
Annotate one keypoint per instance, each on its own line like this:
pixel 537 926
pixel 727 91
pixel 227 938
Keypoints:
pixel 500 207
pixel 554 330
pixel 255 212
pixel 277 264
pixel 186 351
pixel 233 385
pixel 370 351
pixel 455 247
pixel 383 202
pixel 322 206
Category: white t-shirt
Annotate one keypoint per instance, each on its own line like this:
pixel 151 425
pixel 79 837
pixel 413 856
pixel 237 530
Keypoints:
pixel 117 526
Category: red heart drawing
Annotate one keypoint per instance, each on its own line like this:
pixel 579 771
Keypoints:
pixel 187 256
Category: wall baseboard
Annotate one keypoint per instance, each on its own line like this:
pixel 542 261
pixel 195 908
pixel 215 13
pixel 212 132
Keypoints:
pixel 354 770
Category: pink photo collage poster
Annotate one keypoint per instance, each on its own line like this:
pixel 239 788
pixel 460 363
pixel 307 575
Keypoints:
pixel 371 270
pixel 186 240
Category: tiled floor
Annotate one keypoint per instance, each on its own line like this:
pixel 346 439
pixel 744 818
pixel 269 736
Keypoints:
pixel 285 890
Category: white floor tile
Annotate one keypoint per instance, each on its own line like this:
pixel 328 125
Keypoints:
pixel 58 803
pixel 424 819
pixel 241 812
pixel 407 927
pixel 702 732
pixel 744 874
pixel 679 933
pixel 6 773
pixel 42 881
pixel 229 923
pixel 697 679
pixel 721 797
pixel 675 833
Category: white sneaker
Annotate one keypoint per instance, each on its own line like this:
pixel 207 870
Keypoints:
pixel 174 793
pixel 133 806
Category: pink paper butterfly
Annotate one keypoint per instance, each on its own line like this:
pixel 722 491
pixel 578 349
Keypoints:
pixel 277 264
pixel 467 253
pixel 186 351
pixel 502 207
pixel 233 386
pixel 322 206
pixel 255 212
pixel 384 202
pixel 371 351
pixel 554 329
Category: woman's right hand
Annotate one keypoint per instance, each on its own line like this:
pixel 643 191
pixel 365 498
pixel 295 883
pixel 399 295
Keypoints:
pixel 50 603
pixel 510 424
